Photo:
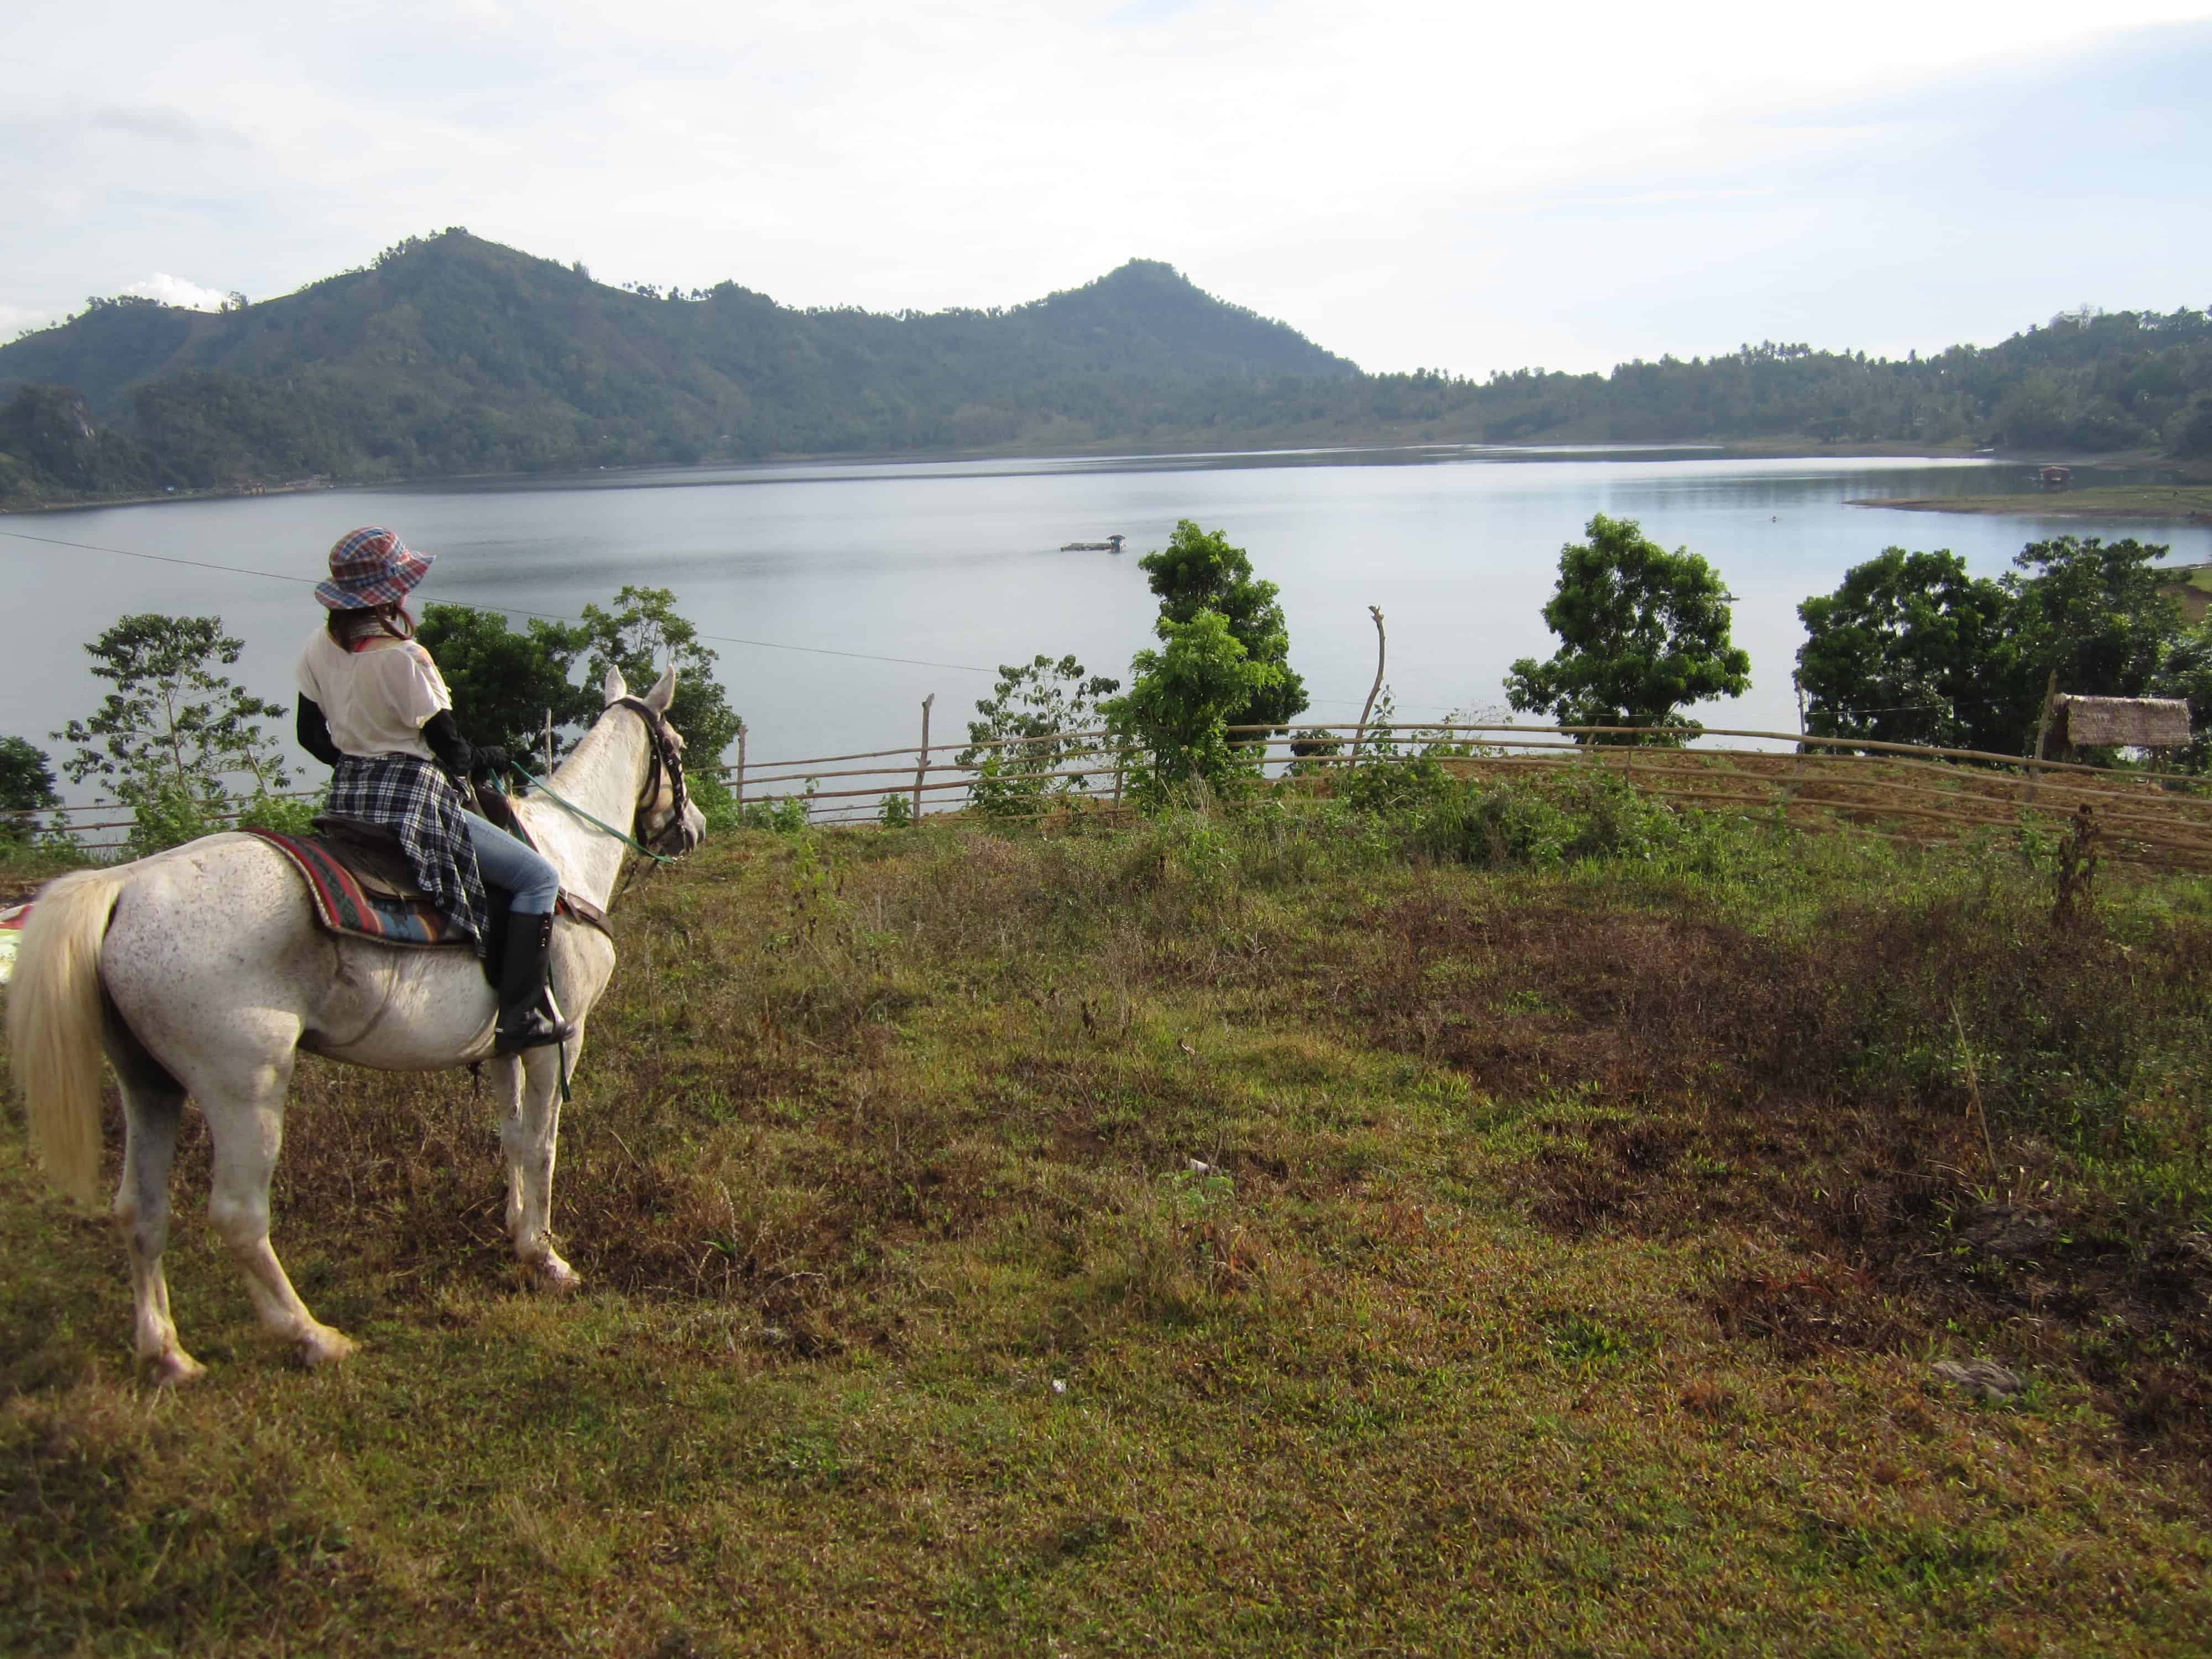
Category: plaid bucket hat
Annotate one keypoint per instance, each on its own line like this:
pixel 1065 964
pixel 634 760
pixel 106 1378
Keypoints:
pixel 371 566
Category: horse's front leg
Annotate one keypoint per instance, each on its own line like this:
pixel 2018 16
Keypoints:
pixel 529 1131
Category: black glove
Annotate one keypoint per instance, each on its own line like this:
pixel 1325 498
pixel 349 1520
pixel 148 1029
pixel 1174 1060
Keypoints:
pixel 492 759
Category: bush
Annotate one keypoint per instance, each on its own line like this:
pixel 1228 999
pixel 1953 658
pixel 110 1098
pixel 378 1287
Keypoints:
pixel 1396 784
pixel 167 814
pixel 783 815
pixel 711 795
pixel 1425 810
pixel 1023 733
pixel 285 816
pixel 1503 824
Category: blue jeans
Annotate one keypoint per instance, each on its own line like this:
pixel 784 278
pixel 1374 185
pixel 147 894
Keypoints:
pixel 506 862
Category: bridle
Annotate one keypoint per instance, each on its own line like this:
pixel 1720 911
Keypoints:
pixel 665 755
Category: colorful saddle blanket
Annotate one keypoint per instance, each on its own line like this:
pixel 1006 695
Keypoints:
pixel 380 909
pixel 365 891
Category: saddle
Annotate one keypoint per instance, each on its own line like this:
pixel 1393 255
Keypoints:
pixel 363 885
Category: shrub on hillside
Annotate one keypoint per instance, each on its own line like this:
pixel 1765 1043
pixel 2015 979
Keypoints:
pixel 783 815
pixel 1428 812
pixel 1177 708
pixel 285 816
pixel 1023 735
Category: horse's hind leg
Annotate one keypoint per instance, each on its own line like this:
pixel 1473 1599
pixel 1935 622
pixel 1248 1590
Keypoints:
pixel 151 1115
pixel 529 1131
pixel 249 1131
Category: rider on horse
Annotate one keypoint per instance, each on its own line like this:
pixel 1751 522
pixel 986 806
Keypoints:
pixel 374 707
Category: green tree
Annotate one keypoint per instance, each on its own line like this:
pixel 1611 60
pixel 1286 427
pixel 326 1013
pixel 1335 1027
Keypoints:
pixel 2187 673
pixel 26 785
pixel 1199 570
pixel 503 683
pixel 174 732
pixel 172 719
pixel 1910 648
pixel 1030 711
pixel 2092 610
pixel 2188 432
pixel 1644 633
pixel 1180 704
pixel 641 636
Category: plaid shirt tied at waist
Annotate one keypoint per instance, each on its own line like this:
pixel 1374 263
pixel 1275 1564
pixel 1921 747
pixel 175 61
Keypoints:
pixel 414 800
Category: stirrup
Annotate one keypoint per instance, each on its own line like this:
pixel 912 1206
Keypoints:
pixel 534 1029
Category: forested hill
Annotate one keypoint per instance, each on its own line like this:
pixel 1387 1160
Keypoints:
pixel 452 354
pixel 456 355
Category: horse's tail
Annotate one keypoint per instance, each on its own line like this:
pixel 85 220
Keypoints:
pixel 54 1020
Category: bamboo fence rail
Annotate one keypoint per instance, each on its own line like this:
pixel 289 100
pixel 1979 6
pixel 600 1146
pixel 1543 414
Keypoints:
pixel 1895 791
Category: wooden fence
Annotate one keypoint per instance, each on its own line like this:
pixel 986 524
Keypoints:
pixel 1898 791
pixel 113 818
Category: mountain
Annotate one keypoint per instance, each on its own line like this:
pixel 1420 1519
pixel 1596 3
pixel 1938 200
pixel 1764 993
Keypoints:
pixel 452 355
pixel 52 447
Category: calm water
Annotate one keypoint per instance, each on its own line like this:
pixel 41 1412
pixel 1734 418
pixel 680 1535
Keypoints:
pixel 954 564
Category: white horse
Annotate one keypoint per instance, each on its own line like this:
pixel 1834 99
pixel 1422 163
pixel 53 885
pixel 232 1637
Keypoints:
pixel 201 971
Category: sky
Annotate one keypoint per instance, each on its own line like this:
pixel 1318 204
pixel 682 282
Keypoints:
pixel 1465 187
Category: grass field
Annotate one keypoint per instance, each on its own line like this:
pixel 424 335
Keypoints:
pixel 2162 822
pixel 1517 1226
pixel 2192 586
pixel 2186 503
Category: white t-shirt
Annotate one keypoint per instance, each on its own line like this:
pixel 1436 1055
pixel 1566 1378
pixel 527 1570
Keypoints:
pixel 376 699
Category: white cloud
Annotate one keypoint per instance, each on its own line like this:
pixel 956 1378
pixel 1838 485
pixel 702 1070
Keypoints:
pixel 15 319
pixel 1408 181
pixel 177 291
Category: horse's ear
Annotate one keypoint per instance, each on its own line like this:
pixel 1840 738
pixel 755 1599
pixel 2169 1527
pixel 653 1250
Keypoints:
pixel 617 688
pixel 664 690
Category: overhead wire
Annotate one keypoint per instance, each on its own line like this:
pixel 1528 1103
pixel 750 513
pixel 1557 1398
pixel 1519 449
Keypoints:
pixel 731 639
pixel 500 609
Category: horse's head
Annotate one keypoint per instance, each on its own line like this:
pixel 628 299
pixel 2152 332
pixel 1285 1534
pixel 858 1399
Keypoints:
pixel 667 821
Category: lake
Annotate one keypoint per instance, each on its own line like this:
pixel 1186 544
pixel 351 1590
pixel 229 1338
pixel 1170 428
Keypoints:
pixel 953 566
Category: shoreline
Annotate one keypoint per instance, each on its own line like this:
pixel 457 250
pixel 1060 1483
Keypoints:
pixel 2147 503
pixel 1261 444
pixel 2184 503
pixel 165 497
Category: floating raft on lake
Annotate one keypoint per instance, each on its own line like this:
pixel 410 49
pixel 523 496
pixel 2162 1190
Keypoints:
pixel 1111 545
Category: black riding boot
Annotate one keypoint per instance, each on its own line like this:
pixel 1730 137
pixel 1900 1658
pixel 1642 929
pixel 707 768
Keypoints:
pixel 525 1019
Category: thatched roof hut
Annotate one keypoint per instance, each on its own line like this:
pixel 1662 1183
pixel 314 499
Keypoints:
pixel 2123 722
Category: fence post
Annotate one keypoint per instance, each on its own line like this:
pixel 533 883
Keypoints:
pixel 2042 732
pixel 1374 690
pixel 549 743
pixel 922 765
pixel 739 791
pixel 1797 766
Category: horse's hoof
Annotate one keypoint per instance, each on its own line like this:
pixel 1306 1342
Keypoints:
pixel 555 1276
pixel 174 1368
pixel 324 1346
